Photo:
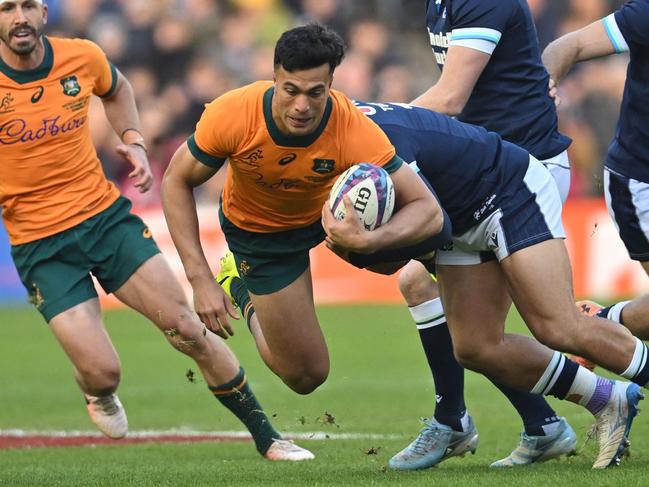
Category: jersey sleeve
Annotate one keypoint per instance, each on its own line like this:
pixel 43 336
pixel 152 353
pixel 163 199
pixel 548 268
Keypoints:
pixel 629 25
pixel 215 138
pixel 368 143
pixel 479 24
pixel 102 71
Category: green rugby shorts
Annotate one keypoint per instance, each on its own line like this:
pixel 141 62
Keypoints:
pixel 268 262
pixel 56 269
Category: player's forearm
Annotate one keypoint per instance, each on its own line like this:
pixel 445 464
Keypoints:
pixel 588 43
pixel 439 101
pixel 560 55
pixel 411 225
pixel 179 208
pixel 122 114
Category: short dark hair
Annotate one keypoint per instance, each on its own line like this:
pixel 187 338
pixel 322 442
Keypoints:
pixel 309 46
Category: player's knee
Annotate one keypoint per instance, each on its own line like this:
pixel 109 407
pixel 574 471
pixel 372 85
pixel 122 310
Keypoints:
pixel 416 285
pixel 472 356
pixel 101 380
pixel 555 338
pixel 186 334
pixel 306 380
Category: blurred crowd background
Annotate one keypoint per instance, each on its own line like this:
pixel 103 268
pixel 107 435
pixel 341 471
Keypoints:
pixel 181 54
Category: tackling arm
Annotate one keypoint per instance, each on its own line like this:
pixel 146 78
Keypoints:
pixel 418 218
pixel 461 71
pixel 581 45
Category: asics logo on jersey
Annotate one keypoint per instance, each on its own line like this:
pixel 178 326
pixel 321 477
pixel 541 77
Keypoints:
pixel 288 159
pixel 37 94
pixel 16 131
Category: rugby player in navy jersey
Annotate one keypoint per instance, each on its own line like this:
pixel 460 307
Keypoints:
pixel 505 212
pixel 491 75
pixel 626 169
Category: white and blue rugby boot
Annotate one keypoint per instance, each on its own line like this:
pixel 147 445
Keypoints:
pixel 537 449
pixel 613 423
pixel 436 442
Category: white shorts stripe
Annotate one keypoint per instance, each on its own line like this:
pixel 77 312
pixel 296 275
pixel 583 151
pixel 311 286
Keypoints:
pixel 559 167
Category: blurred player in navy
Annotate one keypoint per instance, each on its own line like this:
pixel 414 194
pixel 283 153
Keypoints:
pixel 491 75
pixel 505 212
pixel 626 169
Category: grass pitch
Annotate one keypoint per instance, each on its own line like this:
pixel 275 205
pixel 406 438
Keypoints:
pixel 379 384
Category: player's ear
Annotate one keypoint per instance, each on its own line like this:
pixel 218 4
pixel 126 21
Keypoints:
pixel 44 14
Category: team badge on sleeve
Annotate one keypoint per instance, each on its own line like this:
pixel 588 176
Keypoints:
pixel 70 86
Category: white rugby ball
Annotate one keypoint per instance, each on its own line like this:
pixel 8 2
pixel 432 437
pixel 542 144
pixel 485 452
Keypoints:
pixel 371 191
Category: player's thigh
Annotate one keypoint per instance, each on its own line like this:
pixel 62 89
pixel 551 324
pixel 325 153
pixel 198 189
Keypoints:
pixel 627 201
pixel 476 304
pixel 540 283
pixel 81 333
pixel 154 291
pixel 290 326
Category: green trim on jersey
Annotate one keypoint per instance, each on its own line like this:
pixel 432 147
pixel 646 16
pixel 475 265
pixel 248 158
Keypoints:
pixel 113 83
pixel 292 140
pixel 395 163
pixel 202 156
pixel 40 72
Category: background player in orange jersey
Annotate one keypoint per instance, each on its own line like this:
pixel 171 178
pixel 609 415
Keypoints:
pixel 286 142
pixel 66 221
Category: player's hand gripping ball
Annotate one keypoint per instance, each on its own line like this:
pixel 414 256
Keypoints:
pixel 371 192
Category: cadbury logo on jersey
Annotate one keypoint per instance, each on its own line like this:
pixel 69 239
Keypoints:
pixel 16 130
pixel 71 86
pixel 323 166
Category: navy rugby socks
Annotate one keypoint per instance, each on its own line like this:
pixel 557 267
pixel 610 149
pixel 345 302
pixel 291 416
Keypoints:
pixel 538 417
pixel 448 375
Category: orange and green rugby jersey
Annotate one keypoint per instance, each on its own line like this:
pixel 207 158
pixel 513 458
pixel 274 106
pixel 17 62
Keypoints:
pixel 277 182
pixel 50 176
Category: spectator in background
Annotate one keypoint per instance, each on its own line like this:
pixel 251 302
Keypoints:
pixel 163 38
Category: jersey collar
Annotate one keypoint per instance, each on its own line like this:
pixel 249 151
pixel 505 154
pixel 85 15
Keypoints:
pixel 292 140
pixel 39 72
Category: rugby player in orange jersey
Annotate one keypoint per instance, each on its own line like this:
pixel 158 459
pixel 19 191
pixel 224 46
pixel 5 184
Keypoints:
pixel 66 221
pixel 286 141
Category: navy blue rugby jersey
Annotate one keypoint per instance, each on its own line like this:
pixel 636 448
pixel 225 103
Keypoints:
pixel 470 169
pixel 511 95
pixel 628 30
